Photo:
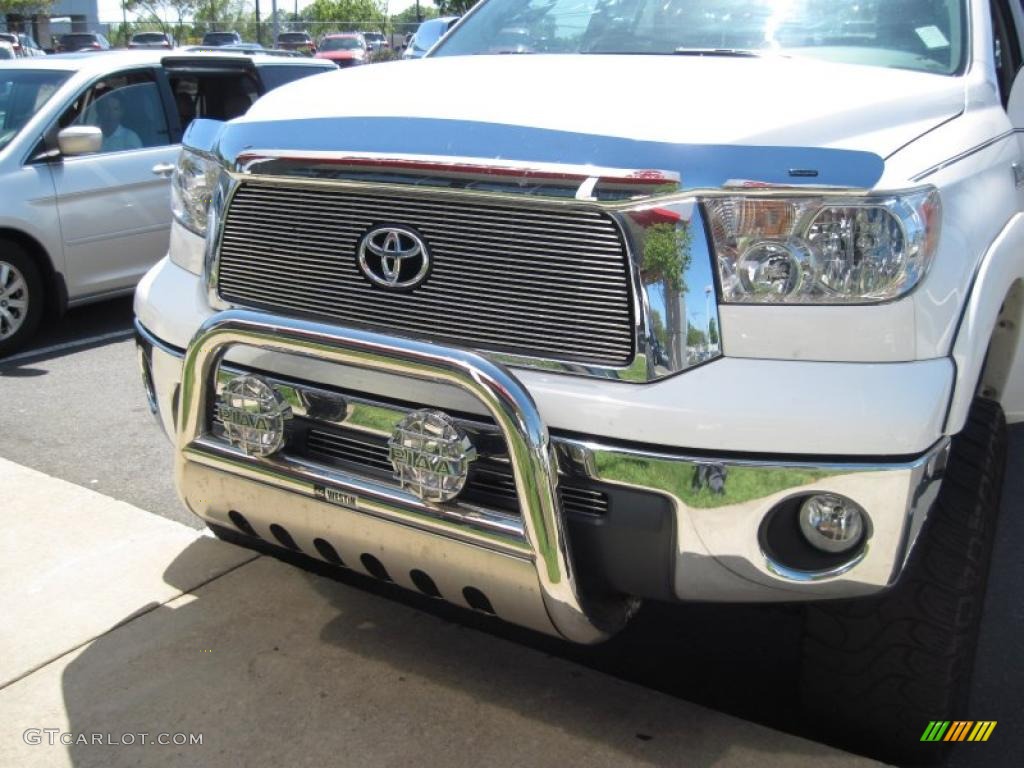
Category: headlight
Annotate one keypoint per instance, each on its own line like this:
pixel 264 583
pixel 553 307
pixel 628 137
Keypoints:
pixel 192 186
pixel 823 250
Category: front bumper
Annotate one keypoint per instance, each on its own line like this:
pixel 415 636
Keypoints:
pixel 532 571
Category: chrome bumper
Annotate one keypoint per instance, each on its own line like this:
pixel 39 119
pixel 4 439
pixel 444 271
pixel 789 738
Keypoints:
pixel 527 567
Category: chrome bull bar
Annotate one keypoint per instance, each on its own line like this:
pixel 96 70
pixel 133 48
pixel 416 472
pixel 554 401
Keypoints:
pixel 514 412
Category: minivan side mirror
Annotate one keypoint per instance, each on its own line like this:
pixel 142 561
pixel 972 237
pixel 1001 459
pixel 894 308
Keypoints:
pixel 80 140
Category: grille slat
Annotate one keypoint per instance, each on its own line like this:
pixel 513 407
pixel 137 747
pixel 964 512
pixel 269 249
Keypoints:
pixel 544 308
pixel 314 255
pixel 460 223
pixel 259 263
pixel 498 339
pixel 334 237
pixel 527 280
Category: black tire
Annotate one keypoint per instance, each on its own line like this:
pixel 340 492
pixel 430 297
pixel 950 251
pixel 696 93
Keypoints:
pixel 14 255
pixel 877 671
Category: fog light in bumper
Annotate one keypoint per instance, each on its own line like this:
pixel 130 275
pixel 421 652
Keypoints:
pixel 831 523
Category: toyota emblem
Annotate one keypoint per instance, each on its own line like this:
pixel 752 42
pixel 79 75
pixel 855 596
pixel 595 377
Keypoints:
pixel 394 257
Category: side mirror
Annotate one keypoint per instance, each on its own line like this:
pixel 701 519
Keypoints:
pixel 80 140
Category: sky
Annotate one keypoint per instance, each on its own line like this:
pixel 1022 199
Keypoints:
pixel 110 10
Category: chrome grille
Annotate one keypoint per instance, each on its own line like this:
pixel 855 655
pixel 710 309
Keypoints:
pixel 534 281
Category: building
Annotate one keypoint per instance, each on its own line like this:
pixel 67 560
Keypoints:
pixel 61 17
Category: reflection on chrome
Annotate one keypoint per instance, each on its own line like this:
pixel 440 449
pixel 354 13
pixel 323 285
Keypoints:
pixel 680 325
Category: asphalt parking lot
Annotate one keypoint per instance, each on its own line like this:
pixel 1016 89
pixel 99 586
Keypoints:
pixel 72 407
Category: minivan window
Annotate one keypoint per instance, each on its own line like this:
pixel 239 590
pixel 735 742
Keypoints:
pixel 23 92
pixel 430 32
pixel 273 77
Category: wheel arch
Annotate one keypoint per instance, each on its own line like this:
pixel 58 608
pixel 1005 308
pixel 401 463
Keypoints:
pixel 986 350
pixel 56 290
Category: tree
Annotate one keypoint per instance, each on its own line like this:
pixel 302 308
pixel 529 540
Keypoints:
pixel 454 7
pixel 713 332
pixel 408 16
pixel 155 11
pixel 344 10
pixel 695 337
pixel 665 262
pixel 23 8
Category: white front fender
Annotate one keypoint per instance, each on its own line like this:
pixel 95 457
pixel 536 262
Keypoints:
pixel 1001 270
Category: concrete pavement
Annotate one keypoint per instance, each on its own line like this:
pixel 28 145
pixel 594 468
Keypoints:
pixel 117 623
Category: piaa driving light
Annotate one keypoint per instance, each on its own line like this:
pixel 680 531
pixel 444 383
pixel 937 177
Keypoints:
pixel 192 187
pixel 823 250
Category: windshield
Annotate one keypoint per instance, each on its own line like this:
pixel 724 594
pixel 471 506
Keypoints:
pixel 23 92
pixel 926 35
pixel 293 37
pixel 341 44
pixel 149 37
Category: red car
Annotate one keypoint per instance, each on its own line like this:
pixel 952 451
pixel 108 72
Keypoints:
pixel 345 50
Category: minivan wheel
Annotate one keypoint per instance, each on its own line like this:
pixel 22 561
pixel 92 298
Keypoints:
pixel 877 671
pixel 21 297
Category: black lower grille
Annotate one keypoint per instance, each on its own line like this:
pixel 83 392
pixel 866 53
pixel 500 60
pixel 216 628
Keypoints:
pixel 490 482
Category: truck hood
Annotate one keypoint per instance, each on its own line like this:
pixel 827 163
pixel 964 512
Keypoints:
pixel 770 101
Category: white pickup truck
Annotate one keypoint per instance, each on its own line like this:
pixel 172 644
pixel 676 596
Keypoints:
pixel 686 300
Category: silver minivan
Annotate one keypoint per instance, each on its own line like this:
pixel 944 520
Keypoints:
pixel 88 143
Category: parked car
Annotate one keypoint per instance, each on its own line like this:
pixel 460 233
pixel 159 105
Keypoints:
pixel 296 41
pixel 218 39
pixel 427 35
pixel 745 330
pixel 375 41
pixel 344 49
pixel 82 41
pixel 22 44
pixel 152 40
pixel 6 51
pixel 87 146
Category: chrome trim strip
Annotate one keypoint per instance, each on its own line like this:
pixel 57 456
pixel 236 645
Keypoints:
pixel 156 342
pixel 963 155
pixel 508 402
pixel 250 160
